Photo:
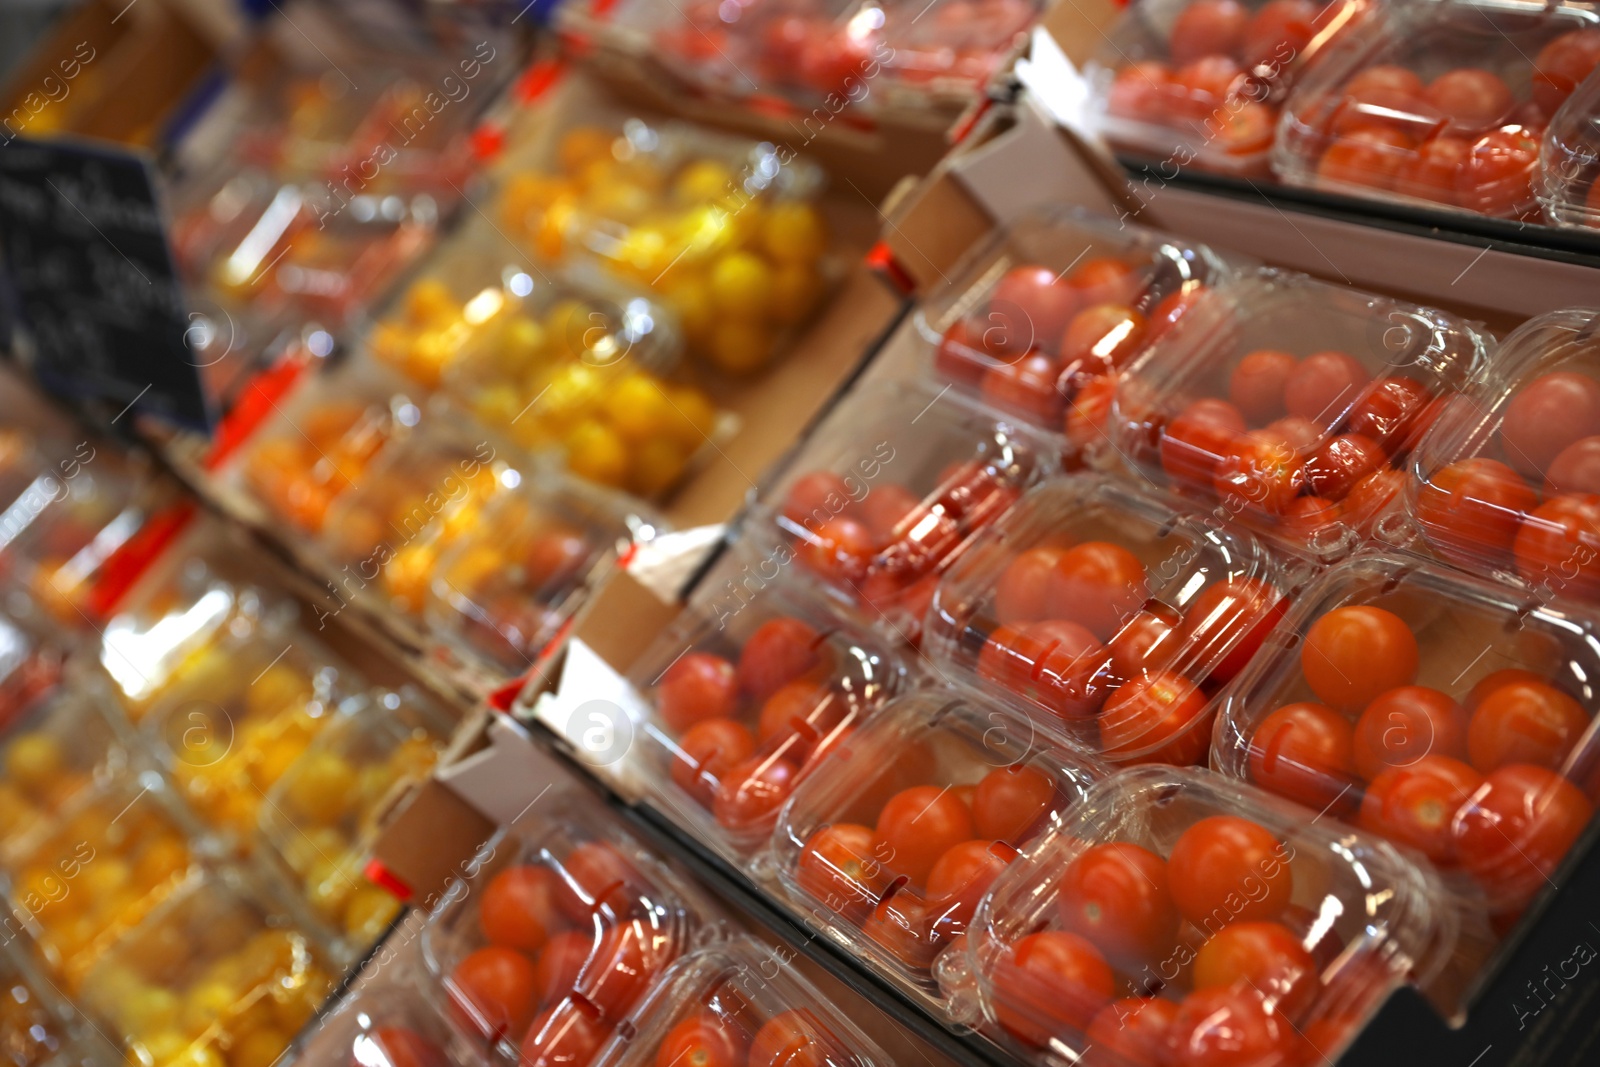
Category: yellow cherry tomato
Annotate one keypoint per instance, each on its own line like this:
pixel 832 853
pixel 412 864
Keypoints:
pixel 408 575
pixel 596 453
pixel 320 787
pixel 521 346
pixel 657 465
pixel 368 913
pixel 740 347
pixel 33 760
pixel 429 303
pixel 637 408
pixel 794 233
pixel 796 287
pixel 260 1047
pixel 694 417
pixel 741 286
pixel 702 181
pixel 583 145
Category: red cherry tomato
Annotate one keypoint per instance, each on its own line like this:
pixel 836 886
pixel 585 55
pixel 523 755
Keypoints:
pixel 1229 1028
pixel 780 651
pixel 1366 155
pixel 1086 415
pixel 1052 662
pixel 706 753
pixel 1098 585
pixel 1516 829
pixel 793 1039
pixel 1547 415
pixel 1227 623
pixel 839 550
pixel 704 1039
pixel 1265 956
pixel 1148 642
pixel 919 825
pixel 1208 85
pixel 1392 412
pixel 1225 869
pixel 1558 545
pixel 1307 516
pixel 1335 468
pixel 959 357
pixel 1352 654
pixel 1025 386
pixel 553 559
pixel 1010 801
pixel 1305 752
pixel 1029 309
pixel 1372 495
pixel 593 875
pixel 1434 171
pixel 1472 100
pixel 1116 895
pixel 565 1035
pixel 1402 725
pixel 1576 468
pixel 1207 28
pixel 801 708
pixel 1158 718
pixel 1279 32
pixel 902 924
pixel 1524 722
pixel 958 882
pixel 1246 128
pixel 839 866
pixel 397 1046
pixel 1050 984
pixel 1133 1031
pixel 699 686
pixel 1104 280
pixel 1380 96
pixel 1019 595
pixel 1494 680
pixel 1256 384
pixel 1417 805
pixel 493 990
pixel 753 791
pixel 1173 307
pixel 520 908
pixel 1561 65
pixel 1499 175
pixel 1473 508
pixel 1323 386
pixel 1197 439
pixel 1101 338
pixel 1302 433
pixel 1142 90
pixel 561 964
pixel 815 498
pixel 627 959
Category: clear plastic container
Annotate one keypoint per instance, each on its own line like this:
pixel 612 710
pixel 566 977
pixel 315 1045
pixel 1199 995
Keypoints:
pixel 510 583
pixel 115 852
pixel 724 230
pixel 1112 615
pixel 1505 483
pixel 892 841
pixel 320 819
pixel 1202 82
pixel 1175 910
pixel 746 698
pixel 892 487
pixel 566 924
pixel 877 56
pixel 31 655
pixel 1291 406
pixel 211 977
pixel 389 1025
pixel 1447 713
pixel 1039 319
pixel 36 1023
pixel 1440 102
pixel 741 998
pixel 1569 162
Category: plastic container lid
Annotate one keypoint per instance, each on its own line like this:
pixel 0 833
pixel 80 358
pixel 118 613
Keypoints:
pixel 1111 615
pixel 1177 910
pixel 746 698
pixel 1203 82
pixel 389 1025
pixel 1441 102
pixel 1291 405
pixel 739 996
pixel 320 819
pixel 581 915
pixel 1038 319
pixel 1447 713
pixel 890 488
pixel 1569 163
pixel 1504 483
pixel 892 840
pixel 212 977
pixel 508 585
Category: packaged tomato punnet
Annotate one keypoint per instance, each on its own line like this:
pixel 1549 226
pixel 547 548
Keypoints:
pixel 892 487
pixel 392 1024
pixel 1569 164
pixel 738 1004
pixel 1441 711
pixel 1291 406
pixel 1175 917
pixel 550 940
pixel 1509 481
pixel 1202 81
pixel 1038 320
pixel 744 704
pixel 891 842
pixel 1110 615
pixel 1443 103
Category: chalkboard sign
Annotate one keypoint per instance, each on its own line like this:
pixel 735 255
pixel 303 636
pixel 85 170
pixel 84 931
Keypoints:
pixel 86 253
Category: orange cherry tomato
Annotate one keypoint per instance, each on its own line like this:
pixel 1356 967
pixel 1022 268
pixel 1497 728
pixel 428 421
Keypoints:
pixel 1098 585
pixel 1020 594
pixel 704 1039
pixel 1472 509
pixel 1226 869
pixel 1265 956
pixel 920 824
pixel 594 875
pixel 1354 653
pixel 567 1034
pixel 1228 1027
pixel 1256 385
pixel 1558 545
pixel 1133 1031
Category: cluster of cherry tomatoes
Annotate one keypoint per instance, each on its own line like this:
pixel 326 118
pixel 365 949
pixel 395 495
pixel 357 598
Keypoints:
pixel 1046 346
pixel 1223 69
pixel 743 730
pixel 1536 506
pixel 1472 778
pixel 555 950
pixel 301 471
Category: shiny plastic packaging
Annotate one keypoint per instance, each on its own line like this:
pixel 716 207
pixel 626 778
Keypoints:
pixel 1039 320
pixel 746 698
pixel 1444 712
pixel 391 1024
pixel 36 1024
pixel 740 999
pixel 893 839
pixel 1507 482
pixel 1178 916
pixel 31 655
pixel 1440 102
pixel 1291 406
pixel 1569 163
pixel 1111 615
pixel 1202 82
pixel 892 487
